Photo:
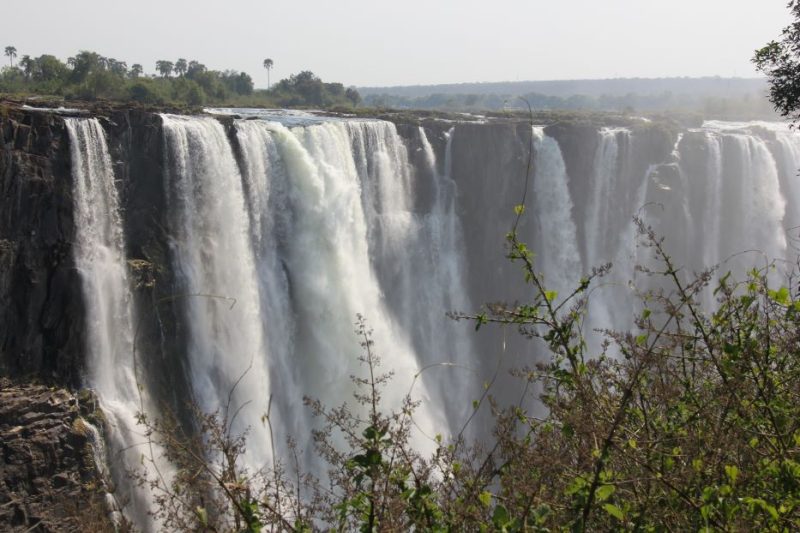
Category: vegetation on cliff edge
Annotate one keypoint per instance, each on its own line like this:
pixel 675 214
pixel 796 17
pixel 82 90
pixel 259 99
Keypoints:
pixel 91 76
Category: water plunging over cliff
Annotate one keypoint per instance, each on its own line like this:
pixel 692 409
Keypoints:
pixel 100 257
pixel 332 211
pixel 280 232
pixel 217 278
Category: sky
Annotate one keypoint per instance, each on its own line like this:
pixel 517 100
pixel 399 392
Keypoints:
pixel 410 42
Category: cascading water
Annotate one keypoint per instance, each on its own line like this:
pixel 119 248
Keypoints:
pixel 441 267
pixel 100 258
pixel 218 283
pixel 747 190
pixel 552 208
pixel 339 210
pixel 609 231
pixel 762 204
pixel 711 219
pixel 602 226
pixel 280 238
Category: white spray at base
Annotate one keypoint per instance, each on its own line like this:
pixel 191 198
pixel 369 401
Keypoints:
pixel 100 258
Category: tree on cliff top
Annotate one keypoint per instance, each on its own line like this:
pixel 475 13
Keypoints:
pixel 268 65
pixel 11 52
pixel 780 61
pixel 181 66
pixel 164 67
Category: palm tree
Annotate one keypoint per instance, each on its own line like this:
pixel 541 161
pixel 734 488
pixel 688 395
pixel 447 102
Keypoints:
pixel 164 67
pixel 11 52
pixel 180 67
pixel 268 65
pixel 136 70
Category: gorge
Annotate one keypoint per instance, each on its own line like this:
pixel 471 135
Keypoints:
pixel 223 258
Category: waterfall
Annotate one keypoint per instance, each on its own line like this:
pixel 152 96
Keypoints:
pixel 762 205
pixel 282 230
pixel 614 198
pixel 218 283
pixel 343 194
pixel 599 227
pixel 712 224
pixel 747 212
pixel 552 209
pixel 100 258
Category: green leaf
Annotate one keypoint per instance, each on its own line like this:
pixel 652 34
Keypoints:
pixel 604 492
pixel 202 516
pixel 374 457
pixel 551 295
pixel 500 517
pixel 519 209
pixel 772 511
pixel 780 296
pixel 705 511
pixel 732 472
pixel 485 498
pixel 614 511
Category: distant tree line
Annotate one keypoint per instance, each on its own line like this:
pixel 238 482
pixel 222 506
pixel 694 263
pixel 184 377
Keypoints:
pixel 753 105
pixel 91 76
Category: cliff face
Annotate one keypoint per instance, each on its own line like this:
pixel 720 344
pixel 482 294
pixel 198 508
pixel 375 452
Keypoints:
pixel 48 477
pixel 42 318
pixel 41 313
pixel 42 329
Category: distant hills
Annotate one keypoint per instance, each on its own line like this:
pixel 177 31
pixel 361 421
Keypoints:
pixel 708 86
pixel 713 96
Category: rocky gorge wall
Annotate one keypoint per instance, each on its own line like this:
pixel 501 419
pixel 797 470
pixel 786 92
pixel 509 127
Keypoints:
pixel 611 167
pixel 43 328
pixel 43 331
pixel 49 479
pixel 40 302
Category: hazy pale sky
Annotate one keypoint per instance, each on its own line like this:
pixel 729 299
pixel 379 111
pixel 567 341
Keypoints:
pixel 374 42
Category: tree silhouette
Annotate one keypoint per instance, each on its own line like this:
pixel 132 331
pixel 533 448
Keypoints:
pixel 11 52
pixel 84 63
pixel 181 66
pixel 164 68
pixel 27 64
pixel 352 94
pixel 268 65
pixel 136 70
pixel 195 69
pixel 120 68
pixel 780 61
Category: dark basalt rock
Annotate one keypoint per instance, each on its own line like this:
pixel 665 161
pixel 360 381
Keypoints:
pixel 48 478
pixel 41 311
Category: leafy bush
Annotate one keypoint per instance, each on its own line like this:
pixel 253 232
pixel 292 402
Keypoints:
pixel 145 92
